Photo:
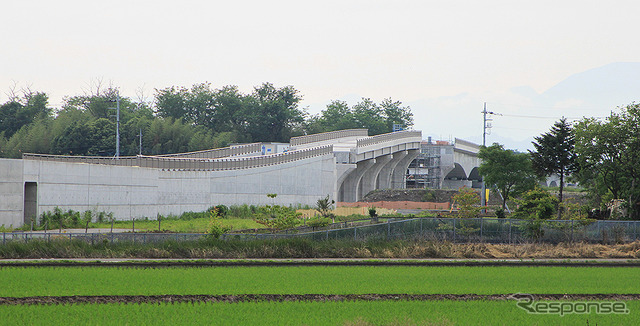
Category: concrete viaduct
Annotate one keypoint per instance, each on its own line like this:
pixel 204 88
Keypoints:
pixel 366 163
pixel 344 164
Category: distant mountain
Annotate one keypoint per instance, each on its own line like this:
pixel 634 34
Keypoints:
pixel 609 86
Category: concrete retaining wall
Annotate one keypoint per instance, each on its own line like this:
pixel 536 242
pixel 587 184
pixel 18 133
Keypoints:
pixel 11 192
pixel 135 192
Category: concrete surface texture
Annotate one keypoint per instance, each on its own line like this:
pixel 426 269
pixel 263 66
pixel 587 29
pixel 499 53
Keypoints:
pixel 343 164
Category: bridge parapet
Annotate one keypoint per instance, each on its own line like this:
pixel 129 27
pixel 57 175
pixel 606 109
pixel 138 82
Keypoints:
pixel 191 164
pixel 220 152
pixel 301 140
pixel 385 144
pixel 393 136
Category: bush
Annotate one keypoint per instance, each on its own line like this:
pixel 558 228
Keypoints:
pixel 278 217
pixel 222 210
pixel 468 201
pixel 216 229
pixel 537 204
pixel 429 196
pixel 319 222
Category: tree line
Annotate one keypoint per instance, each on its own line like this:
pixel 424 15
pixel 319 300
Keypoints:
pixel 179 119
pixel 601 155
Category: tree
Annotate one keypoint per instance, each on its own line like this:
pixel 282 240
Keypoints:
pixel 273 112
pixel 536 206
pixel 509 171
pixel 22 111
pixel 171 102
pixel 555 153
pixel 377 118
pixel 608 153
pixel 467 200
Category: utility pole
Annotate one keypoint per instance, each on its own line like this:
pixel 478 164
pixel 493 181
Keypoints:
pixel 485 126
pixel 118 126
pixel 117 108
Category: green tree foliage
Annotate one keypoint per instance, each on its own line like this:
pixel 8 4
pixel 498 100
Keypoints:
pixel 278 217
pixel 267 114
pixel 555 153
pixel 509 171
pixel 468 202
pixel 378 118
pixel 535 207
pixel 272 113
pixel 182 120
pixel 536 204
pixel 608 153
pixel 22 111
pixel 324 206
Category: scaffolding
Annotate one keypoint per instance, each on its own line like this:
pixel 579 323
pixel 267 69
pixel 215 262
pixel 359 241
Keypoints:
pixel 426 170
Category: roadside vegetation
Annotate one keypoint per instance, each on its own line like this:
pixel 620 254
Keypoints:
pixel 306 248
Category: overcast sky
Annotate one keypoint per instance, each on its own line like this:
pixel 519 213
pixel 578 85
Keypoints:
pixel 412 51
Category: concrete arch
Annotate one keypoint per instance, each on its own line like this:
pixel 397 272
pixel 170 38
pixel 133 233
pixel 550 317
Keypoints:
pixel 384 178
pixel 457 173
pixel 370 178
pixel 398 178
pixel 349 189
pixel 553 184
pixel 475 175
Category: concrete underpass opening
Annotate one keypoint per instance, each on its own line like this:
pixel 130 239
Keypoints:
pixel 30 202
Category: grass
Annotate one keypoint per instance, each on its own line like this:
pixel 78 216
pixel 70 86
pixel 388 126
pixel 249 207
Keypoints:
pixel 306 248
pixel 196 225
pixel 65 281
pixel 308 313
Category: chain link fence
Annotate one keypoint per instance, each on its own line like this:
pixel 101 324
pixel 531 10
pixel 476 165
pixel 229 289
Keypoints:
pixel 488 230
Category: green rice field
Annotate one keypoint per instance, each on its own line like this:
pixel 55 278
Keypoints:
pixel 303 313
pixel 18 282
pixel 42 281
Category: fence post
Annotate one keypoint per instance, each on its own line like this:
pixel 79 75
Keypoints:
pixel 510 224
pixel 454 230
pixel 388 228
pixel 354 233
pixel 4 238
pixel 571 230
pixel 327 234
pixel 481 227
pixel 421 231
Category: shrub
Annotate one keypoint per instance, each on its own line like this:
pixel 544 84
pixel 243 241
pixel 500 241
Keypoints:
pixel 536 203
pixel 324 205
pixel 429 196
pixel 468 201
pixel 216 229
pixel 278 217
pixel 317 222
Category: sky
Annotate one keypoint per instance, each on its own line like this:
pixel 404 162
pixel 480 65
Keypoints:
pixel 444 59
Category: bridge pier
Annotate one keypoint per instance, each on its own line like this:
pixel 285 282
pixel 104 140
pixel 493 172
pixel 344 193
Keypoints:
pixel 370 178
pixel 349 188
pixel 399 174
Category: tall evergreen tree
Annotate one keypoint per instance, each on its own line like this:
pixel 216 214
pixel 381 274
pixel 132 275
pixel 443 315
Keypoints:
pixel 555 153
